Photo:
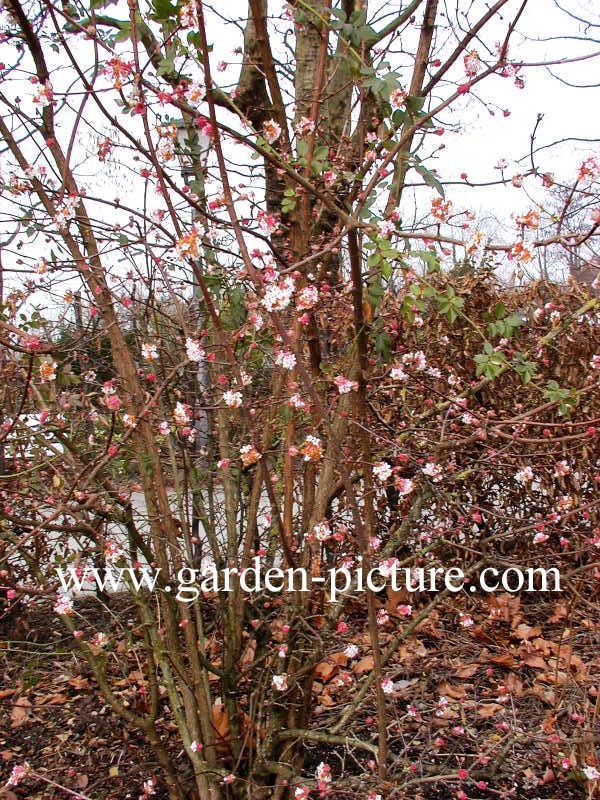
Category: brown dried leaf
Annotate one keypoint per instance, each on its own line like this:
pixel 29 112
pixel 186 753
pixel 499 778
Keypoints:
pixel 525 632
pixel 543 646
pixel 453 692
pixel 488 710
pixel 366 664
pixel 78 683
pixel 514 684
pixel 503 660
pixel 545 693
pixel 549 776
pixel 466 670
pixel 549 724
pixel 505 607
pixel 560 612
pixel 20 713
pixel 532 660
pixel 326 700
pixel 339 658
pixel 81 781
pixel 325 670
pixel 57 699
pixel 553 678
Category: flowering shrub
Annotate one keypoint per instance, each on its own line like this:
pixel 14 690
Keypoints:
pixel 282 372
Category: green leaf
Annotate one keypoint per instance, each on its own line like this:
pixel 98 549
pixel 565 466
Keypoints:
pixel 383 345
pixel 526 370
pixel 166 67
pixel 163 10
pixel 194 38
pixel 429 258
pixel 375 294
pixel 124 32
pixel 302 148
pixel 415 104
pixel 430 179
pixel 489 364
pixel 289 202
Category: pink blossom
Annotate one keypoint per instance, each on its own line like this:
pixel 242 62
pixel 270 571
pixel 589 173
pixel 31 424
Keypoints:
pixel 344 385
pixel 271 130
pixel 387 685
pixel 524 476
pixel 296 401
pixel 382 471
pixel 43 95
pixel 280 682
pixel 18 774
pixel 112 551
pixel 63 605
pixel 471 62
pixel 232 399
pixel 433 471
pixel 589 169
pixel 404 486
pixel 398 374
pixel 32 344
pixel 305 126
pixel 307 298
pixel 113 402
pixel 386 567
pixel 149 787
pixel 278 295
pixel 48 371
pixel 117 71
pixel 194 93
pixel 323 773
pixel 193 350
pixel 256 321
pixel 285 359
pixel 386 227
pixel 182 413
pixel 398 98
pixel 149 352
pixel 322 531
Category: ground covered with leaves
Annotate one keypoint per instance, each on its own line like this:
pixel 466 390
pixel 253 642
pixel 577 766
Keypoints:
pixel 497 699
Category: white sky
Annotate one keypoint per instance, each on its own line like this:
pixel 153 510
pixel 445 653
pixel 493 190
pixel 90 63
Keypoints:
pixel 482 139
